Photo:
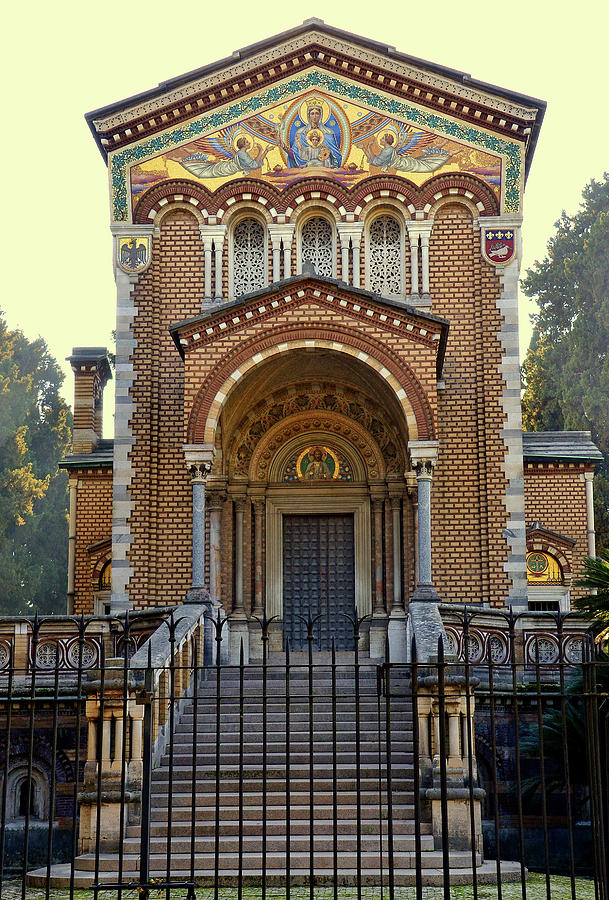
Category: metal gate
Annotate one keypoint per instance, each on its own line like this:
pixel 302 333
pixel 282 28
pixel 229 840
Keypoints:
pixel 318 579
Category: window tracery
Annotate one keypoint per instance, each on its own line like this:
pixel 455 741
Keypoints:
pixel 249 257
pixel 385 256
pixel 317 246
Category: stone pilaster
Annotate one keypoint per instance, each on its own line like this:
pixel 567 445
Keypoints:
pixel 507 304
pixel 124 439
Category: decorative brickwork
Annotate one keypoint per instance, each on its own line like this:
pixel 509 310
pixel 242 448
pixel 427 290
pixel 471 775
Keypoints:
pixel 161 520
pixel 93 526
pixel 469 515
pixel 543 483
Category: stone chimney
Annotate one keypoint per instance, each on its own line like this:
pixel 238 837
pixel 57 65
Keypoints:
pixel 92 371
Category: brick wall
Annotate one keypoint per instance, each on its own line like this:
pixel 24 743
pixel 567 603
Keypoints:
pixel 468 510
pixel 93 524
pixel 556 496
pixel 161 521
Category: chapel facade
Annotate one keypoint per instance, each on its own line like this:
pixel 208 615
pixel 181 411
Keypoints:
pixel 317 382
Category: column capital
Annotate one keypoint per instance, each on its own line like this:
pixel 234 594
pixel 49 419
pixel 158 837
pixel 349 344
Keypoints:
pixel 423 456
pixel 212 234
pixel 199 459
pixel 419 229
pixel 279 231
pixel 215 499
pixel 350 230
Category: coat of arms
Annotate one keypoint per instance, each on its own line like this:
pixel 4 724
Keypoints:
pixel 498 245
pixel 133 254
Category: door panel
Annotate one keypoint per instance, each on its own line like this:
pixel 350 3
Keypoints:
pixel 318 578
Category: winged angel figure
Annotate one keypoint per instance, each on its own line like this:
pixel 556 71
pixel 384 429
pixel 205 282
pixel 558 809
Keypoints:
pixel 231 151
pixel 399 148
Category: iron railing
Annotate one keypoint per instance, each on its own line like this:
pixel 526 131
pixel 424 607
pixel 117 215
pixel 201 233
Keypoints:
pixel 166 768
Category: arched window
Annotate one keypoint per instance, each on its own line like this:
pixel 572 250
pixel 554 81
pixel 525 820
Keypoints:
pixel 385 257
pixel 317 246
pixel 249 257
pixel 542 568
pixel 105 577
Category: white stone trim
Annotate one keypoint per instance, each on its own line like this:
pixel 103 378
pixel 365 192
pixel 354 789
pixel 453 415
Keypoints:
pixel 509 369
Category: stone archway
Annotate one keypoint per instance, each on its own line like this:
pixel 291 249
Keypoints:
pixel 278 411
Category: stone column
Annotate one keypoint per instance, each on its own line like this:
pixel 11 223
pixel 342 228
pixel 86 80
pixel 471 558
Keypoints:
pixel 419 231
pixel 396 628
pixel 589 481
pixel 423 455
pixel 378 602
pixel 213 242
pixel 239 629
pixel 207 254
pixel 259 510
pixel 350 234
pixel 198 476
pixel 215 502
pixel 199 459
pixel 281 235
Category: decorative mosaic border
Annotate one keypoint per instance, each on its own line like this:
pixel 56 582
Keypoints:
pixel 120 161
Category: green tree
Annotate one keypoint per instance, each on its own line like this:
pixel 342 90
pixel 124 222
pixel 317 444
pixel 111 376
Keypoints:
pixel 566 369
pixel 35 428
pixel 595 577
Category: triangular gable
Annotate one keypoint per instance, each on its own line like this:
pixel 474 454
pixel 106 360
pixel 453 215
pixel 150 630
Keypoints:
pixel 381 113
pixel 264 305
pixel 540 532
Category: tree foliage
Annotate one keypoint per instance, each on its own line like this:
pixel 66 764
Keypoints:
pixel 566 369
pixel 595 577
pixel 35 429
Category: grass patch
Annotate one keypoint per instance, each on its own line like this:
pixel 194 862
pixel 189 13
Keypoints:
pixel 535 890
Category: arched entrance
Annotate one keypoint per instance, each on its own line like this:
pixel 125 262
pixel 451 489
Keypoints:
pixel 308 486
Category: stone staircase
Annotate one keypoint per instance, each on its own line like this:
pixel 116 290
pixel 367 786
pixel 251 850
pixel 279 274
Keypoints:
pixel 284 813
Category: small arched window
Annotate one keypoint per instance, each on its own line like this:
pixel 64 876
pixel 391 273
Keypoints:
pixel 385 256
pixel 317 246
pixel 105 577
pixel 249 257
pixel 543 568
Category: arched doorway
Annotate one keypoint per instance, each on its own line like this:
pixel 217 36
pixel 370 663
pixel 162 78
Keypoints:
pixel 309 486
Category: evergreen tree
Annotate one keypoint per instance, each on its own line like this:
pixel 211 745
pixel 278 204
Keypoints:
pixel 35 433
pixel 566 369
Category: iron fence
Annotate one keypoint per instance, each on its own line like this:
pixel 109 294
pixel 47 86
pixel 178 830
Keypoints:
pixel 169 765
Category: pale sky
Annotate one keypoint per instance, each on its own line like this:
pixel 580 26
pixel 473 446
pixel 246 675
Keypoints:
pixel 65 58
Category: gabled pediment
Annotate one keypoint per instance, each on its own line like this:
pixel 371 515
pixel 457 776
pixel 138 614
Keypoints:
pixel 538 531
pixel 321 297
pixel 379 112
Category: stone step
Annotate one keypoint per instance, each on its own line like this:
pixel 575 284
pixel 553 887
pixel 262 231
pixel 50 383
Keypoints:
pixel 182 812
pixel 180 862
pixel 183 783
pixel 276 844
pixel 278 827
pixel 249 798
pixel 403 877
pixel 298 759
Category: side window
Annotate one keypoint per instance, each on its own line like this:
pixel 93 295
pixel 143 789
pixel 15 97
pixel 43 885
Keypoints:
pixel 385 257
pixel 249 257
pixel 317 246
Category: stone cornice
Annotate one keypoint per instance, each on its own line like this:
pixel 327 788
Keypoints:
pixel 247 72
pixel 265 305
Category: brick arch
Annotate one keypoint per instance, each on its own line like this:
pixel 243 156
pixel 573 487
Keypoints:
pixel 535 543
pixel 248 189
pixel 155 198
pixel 385 186
pixel 458 184
pixel 330 191
pixel 103 556
pixel 224 377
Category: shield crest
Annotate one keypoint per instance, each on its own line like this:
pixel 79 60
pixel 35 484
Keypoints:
pixel 499 245
pixel 133 253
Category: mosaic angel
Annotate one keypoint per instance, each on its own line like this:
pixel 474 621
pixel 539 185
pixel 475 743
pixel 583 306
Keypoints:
pixel 229 152
pixel 399 148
